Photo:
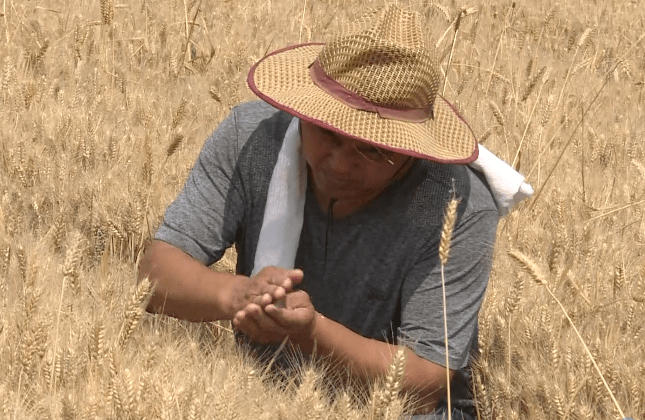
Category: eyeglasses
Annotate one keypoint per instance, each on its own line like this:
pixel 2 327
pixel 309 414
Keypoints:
pixel 373 154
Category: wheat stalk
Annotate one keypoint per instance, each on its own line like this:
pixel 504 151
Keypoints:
pixel 537 275
pixel 457 23
pixel 591 103
pixel 393 380
pixel 450 217
pixel 302 21
pixel 66 166
pixel 72 261
pixel 97 340
pixel 129 396
pixel 481 392
pixel 135 311
pixel 537 100
pixel 179 114
pixel 498 49
pixel 107 11
pixel 449 220
pixel 497 113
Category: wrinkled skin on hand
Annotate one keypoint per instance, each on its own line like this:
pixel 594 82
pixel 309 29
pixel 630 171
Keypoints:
pixel 265 322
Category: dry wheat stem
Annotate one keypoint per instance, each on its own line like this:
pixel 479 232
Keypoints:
pixel 38 191
pixel 452 49
pixel 566 77
pixel 302 20
pixel 566 145
pixel 275 356
pixel 445 337
pixel 499 47
pixel 519 148
pixel 448 29
pixel 470 66
pixel 189 33
pixel 626 206
pixel 606 80
pixel 544 150
pixel 537 275
pixel 444 250
pixel 449 220
pixel 4 15
pixel 223 328
pixel 56 337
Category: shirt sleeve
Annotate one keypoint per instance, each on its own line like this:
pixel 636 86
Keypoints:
pixel 204 219
pixel 466 276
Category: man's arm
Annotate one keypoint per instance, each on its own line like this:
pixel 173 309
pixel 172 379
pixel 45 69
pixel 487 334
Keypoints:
pixel 187 289
pixel 184 287
pixel 370 359
pixel 367 359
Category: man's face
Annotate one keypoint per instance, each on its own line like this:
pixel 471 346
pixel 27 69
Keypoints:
pixel 344 169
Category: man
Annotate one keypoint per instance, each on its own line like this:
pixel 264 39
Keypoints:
pixel 384 154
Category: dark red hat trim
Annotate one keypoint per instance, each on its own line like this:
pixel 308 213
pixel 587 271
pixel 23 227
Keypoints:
pixel 251 83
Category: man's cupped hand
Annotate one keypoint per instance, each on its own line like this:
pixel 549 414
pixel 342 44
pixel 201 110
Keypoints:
pixel 278 312
pixel 271 284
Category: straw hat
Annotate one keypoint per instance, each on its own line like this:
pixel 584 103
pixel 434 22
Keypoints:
pixel 377 83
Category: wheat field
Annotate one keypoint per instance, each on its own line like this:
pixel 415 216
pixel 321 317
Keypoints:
pixel 104 107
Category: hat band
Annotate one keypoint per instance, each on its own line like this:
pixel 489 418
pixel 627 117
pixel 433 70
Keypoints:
pixel 352 99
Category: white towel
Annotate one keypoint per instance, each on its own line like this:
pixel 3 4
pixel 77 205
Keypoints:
pixel 285 207
pixel 506 183
pixel 284 212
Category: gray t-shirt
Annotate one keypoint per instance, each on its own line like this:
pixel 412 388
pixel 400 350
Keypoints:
pixel 376 271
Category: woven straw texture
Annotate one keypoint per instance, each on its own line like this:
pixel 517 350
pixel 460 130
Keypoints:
pixel 386 62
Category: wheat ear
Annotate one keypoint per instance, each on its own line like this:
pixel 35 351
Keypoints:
pixel 394 379
pixel 302 20
pixel 538 276
pixel 452 49
pixel 135 310
pixel 444 250
pixel 528 123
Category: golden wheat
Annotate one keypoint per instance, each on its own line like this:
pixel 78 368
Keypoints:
pixel 97 97
pixel 393 384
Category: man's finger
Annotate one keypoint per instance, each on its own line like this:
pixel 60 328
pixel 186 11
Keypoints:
pixel 242 323
pixel 296 315
pixel 264 322
pixel 276 312
pixel 279 315
pixel 298 299
pixel 296 275
pixel 275 295
pixel 278 293
pixel 270 277
pixel 286 280
pixel 286 318
pixel 263 300
pixel 246 322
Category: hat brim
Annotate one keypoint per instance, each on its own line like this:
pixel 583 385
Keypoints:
pixel 282 79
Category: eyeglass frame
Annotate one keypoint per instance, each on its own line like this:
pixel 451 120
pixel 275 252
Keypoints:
pixel 386 155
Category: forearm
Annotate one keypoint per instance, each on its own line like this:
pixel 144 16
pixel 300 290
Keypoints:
pixel 184 287
pixel 369 359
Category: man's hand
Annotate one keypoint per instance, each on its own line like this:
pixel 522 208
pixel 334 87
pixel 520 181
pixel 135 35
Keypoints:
pixel 266 322
pixel 187 289
pixel 269 285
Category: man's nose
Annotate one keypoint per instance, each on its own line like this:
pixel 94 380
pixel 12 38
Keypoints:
pixel 341 160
